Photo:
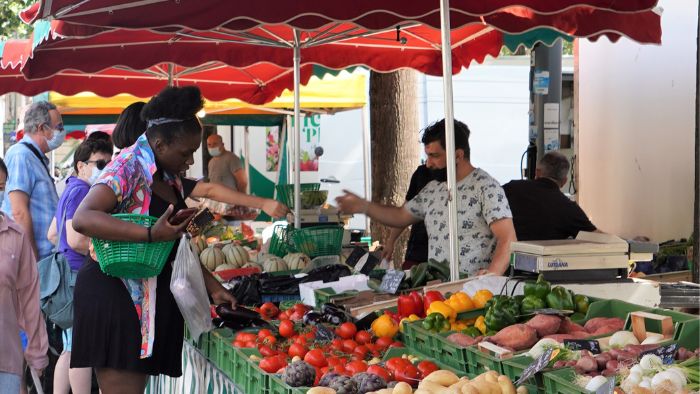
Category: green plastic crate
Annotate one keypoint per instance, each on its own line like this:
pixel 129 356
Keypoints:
pixel 688 335
pixel 285 193
pixel 223 355
pixel 278 386
pixel 281 242
pixel 480 362
pixel 561 381
pixel 319 240
pixel 247 374
pixel 515 366
pixel 611 308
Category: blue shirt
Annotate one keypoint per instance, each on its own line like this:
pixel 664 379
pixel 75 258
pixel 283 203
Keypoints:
pixel 76 190
pixel 26 173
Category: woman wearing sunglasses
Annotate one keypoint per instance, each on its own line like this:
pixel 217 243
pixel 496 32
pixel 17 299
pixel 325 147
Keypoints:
pixel 89 159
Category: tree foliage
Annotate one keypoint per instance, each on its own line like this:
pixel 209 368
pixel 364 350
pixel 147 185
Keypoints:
pixel 10 24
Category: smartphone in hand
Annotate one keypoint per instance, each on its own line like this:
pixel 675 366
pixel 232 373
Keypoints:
pixel 182 215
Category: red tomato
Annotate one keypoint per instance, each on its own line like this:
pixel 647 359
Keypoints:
pixel 269 310
pixel 340 370
pixel 357 366
pixel 426 367
pixel 409 374
pixel 384 342
pixel 250 344
pixel 270 364
pixel 297 350
pixel 266 351
pixel 316 358
pixel 287 329
pixel 346 330
pixel 296 316
pixel 301 308
pixel 337 344
pixel 396 363
pixel 270 340
pixel 238 344
pixel 300 339
pixel 362 337
pixel 246 336
pixel 360 352
pixel 380 371
pixel 333 361
pixel 349 345
pixel 262 334
pixel 373 348
pixel 319 373
pixel 396 344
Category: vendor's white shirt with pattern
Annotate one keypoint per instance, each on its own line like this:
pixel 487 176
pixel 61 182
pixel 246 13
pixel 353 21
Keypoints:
pixel 480 202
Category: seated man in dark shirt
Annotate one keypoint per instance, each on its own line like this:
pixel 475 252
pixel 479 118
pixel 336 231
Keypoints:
pixel 540 210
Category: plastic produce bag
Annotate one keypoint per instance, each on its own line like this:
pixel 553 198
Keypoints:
pixel 187 286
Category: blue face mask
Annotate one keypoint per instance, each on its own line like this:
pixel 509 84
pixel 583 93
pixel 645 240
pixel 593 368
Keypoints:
pixel 59 135
pixel 95 175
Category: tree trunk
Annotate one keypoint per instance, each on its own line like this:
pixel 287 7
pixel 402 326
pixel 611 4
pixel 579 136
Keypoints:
pixel 395 144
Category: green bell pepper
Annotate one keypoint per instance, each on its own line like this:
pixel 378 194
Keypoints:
pixel 581 303
pixel 502 313
pixel 435 322
pixel 531 303
pixel 472 331
pixel 539 288
pixel 560 298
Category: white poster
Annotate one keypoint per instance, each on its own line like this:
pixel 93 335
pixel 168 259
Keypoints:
pixel 551 115
pixel 551 139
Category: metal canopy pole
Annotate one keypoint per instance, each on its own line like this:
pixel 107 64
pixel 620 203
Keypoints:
pixel 246 153
pixel 366 138
pixel 449 138
pixel 297 131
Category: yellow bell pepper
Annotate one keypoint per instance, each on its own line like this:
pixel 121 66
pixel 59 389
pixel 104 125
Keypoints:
pixel 481 297
pixel 457 326
pixel 480 324
pixel 442 308
pixel 460 302
pixel 410 318
pixel 384 326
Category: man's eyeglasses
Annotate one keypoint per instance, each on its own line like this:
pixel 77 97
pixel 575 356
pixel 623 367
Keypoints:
pixel 100 164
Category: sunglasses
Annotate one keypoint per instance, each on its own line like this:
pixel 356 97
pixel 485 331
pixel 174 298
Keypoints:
pixel 100 164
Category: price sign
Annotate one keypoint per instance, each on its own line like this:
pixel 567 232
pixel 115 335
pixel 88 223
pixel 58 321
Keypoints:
pixel 607 388
pixel 666 353
pixel 391 281
pixel 583 344
pixel 550 311
pixel 536 366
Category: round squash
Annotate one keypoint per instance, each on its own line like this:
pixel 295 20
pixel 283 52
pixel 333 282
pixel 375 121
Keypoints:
pixel 297 261
pixel 211 258
pixel 274 264
pixel 224 267
pixel 235 255
pixel 198 244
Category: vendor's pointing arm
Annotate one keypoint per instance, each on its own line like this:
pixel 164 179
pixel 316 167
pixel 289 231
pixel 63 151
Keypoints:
pixel 224 194
pixel 386 214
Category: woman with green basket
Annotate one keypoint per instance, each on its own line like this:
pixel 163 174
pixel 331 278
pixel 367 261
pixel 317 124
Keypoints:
pixel 130 327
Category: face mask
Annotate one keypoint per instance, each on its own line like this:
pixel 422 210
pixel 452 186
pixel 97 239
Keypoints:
pixel 214 152
pixel 95 175
pixel 2 195
pixel 439 174
pixel 58 137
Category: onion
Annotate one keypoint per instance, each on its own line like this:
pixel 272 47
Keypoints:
pixel 541 346
pixel 595 383
pixel 623 338
pixel 651 362
pixel 667 382
pixel 653 338
pixel 645 383
pixel 637 369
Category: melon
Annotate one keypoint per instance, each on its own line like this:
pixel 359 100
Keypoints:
pixel 235 255
pixel 274 264
pixel 211 258
pixel 198 244
pixel 297 261
pixel 224 267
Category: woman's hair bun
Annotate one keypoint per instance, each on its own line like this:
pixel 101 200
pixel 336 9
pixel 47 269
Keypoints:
pixel 174 102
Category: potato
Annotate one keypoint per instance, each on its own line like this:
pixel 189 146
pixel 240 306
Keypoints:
pixel 461 382
pixel 442 377
pixel 320 390
pixel 506 384
pixel 469 389
pixel 382 391
pixel 486 387
pixel 491 376
pixel 431 386
pixel 402 388
pixel 522 390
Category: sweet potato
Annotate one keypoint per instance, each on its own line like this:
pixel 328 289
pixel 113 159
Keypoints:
pixel 560 337
pixel 596 323
pixel 517 337
pixel 567 327
pixel 545 324
pixel 603 330
pixel 462 340
pixel 579 334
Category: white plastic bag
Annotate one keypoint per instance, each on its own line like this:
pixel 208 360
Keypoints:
pixel 187 286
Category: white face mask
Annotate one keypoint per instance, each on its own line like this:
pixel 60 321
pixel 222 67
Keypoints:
pixel 94 176
pixel 214 151
pixel 57 140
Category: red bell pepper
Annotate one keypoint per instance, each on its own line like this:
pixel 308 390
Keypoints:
pixel 394 316
pixel 418 303
pixel 430 296
pixel 410 304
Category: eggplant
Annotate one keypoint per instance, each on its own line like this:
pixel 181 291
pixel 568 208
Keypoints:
pixel 333 314
pixel 312 318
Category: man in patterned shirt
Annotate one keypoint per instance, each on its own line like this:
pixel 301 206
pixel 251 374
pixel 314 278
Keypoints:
pixel 485 224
